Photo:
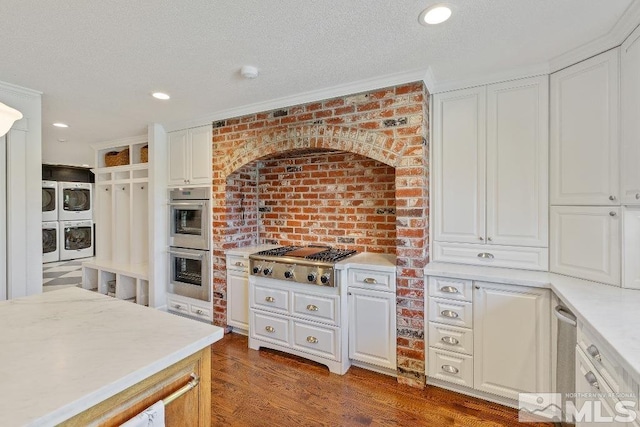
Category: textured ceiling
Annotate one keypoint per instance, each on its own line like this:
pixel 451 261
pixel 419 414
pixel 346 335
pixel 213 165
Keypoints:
pixel 96 62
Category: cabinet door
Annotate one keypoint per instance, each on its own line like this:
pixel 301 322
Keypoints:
pixel 631 245
pixel 200 158
pixel 459 135
pixel 512 339
pixel 178 146
pixel 585 242
pixel 517 157
pixel 630 93
pixel 238 300
pixel 584 132
pixel 372 327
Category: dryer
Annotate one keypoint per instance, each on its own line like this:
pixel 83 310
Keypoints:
pixel 76 239
pixel 75 201
pixel 50 242
pixel 49 201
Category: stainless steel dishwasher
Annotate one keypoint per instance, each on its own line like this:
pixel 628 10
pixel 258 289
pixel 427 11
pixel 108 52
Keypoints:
pixel 566 359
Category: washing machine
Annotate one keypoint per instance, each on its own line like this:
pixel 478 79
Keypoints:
pixel 75 201
pixel 50 242
pixel 76 239
pixel 49 201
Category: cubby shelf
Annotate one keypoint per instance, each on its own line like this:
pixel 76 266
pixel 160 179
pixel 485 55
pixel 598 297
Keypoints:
pixel 131 281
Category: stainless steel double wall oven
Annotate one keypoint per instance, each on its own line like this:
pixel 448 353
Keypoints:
pixel 190 240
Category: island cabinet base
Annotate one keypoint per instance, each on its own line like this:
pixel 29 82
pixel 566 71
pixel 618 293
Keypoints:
pixel 191 409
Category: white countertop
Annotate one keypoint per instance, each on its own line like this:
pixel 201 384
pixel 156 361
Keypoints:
pixel 612 313
pixel 370 261
pixel 63 352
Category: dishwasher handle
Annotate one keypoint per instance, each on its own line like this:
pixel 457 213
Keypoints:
pixel 564 315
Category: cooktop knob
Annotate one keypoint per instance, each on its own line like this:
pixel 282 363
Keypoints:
pixel 267 271
pixel 257 269
pixel 325 278
pixel 312 276
pixel 288 274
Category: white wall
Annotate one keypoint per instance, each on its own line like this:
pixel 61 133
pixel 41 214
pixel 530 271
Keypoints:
pixel 67 153
pixel 23 216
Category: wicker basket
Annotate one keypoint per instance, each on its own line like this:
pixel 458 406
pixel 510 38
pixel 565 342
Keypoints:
pixel 144 154
pixel 114 158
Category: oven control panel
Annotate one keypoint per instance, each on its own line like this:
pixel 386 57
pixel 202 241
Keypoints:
pixel 320 275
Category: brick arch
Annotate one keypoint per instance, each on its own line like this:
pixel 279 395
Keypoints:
pixel 374 145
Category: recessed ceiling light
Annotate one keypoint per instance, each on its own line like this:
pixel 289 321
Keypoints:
pixel 160 95
pixel 61 125
pixel 435 14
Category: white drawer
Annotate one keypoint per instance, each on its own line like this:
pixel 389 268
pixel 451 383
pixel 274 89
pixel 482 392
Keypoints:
pixel 179 306
pixel 201 312
pixel 445 287
pixel 452 338
pixel 269 328
pixel 236 262
pixel 316 307
pixel 601 359
pixel 451 312
pixel 270 298
pixel 377 280
pixel 492 255
pixel 315 339
pixel 452 367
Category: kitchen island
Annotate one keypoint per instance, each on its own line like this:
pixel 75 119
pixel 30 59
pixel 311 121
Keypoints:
pixel 75 357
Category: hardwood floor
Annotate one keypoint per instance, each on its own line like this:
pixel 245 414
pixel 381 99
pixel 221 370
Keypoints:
pixel 269 388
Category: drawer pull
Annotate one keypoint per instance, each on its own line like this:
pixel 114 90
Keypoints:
pixel 449 313
pixel 270 329
pixel 637 196
pixel 449 340
pixel 312 340
pixel 594 352
pixel 592 380
pixel 177 306
pixel 312 307
pixel 449 290
pixel 239 264
pixel 450 369
pixel 370 281
pixel 485 255
pixel 269 299
pixel 198 311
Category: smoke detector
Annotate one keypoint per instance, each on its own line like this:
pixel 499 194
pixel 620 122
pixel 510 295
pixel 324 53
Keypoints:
pixel 249 72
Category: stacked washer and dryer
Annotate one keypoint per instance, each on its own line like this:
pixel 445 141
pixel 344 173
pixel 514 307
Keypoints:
pixel 67 221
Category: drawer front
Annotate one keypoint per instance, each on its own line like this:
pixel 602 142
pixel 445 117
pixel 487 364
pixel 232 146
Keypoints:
pixel 179 306
pixel 598 355
pixel 316 307
pixel 445 287
pixel 451 312
pixel 235 262
pixel 452 367
pixel 269 328
pixel 201 312
pixel 492 255
pixel 377 280
pixel 451 338
pixel 271 299
pixel 317 340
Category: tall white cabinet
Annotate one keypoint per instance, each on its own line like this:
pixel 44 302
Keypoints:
pixel 190 152
pixel 490 175
pixel 630 123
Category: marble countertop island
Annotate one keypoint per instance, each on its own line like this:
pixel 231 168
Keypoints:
pixel 65 351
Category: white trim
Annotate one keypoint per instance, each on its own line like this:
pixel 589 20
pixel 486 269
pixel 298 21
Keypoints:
pixel 620 31
pixel 303 98
pixel 118 142
pixel 430 80
pixel 19 90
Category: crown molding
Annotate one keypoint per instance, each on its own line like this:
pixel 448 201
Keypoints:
pixel 303 98
pixel 20 91
pixel 138 139
pixel 625 26
pixel 430 79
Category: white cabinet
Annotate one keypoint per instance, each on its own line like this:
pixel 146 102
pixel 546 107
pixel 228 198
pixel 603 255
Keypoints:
pixel 372 317
pixel 238 293
pixel 584 146
pixel 586 242
pixel 490 173
pixel 630 125
pixel 631 247
pixel 512 339
pixel 495 339
pixel 190 160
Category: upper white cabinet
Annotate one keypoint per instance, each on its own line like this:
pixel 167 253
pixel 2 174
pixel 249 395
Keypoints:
pixel 190 157
pixel 490 173
pixel 630 94
pixel 584 144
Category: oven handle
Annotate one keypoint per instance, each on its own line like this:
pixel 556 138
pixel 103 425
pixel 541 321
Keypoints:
pixel 187 203
pixel 186 255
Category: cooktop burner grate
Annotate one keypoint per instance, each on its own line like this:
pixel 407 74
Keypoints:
pixel 327 255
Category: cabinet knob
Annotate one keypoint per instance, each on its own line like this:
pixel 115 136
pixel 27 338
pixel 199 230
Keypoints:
pixel 485 255
pixel 612 213
pixel 270 329
pixel 198 311
pixel 489 239
pixel 480 238
pixel 637 196
pixel 449 313
pixel 594 352
pixel 592 380
pixel 269 299
pixel 312 340
pixel 239 264
pixel 449 340
pixel 450 369
pixel 612 198
pixel 312 307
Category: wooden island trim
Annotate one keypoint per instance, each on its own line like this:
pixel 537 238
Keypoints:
pixel 193 409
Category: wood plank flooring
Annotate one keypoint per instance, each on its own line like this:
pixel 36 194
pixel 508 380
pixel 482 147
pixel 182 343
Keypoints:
pixel 269 388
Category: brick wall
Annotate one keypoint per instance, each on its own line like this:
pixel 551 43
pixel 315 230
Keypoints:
pixel 385 129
